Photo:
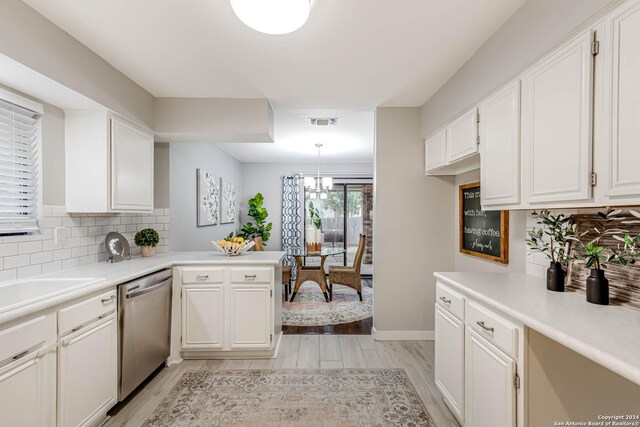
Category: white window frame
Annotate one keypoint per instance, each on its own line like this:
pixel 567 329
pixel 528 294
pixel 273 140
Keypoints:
pixel 38 108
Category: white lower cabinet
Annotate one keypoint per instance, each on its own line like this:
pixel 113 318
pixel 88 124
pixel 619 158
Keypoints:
pixel 28 372
pixel 203 316
pixel 449 372
pixel 236 315
pixel 250 316
pixel 478 352
pixel 88 373
pixel 490 389
pixel 25 399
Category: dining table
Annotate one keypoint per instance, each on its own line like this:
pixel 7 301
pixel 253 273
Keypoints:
pixel 312 273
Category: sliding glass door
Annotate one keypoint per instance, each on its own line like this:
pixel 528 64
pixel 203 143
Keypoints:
pixel 346 212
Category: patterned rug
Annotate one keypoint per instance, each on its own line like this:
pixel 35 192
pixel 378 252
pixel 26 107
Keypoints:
pixel 310 308
pixel 314 397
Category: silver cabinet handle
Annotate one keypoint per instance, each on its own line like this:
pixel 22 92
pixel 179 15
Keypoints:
pixel 444 300
pixel 202 276
pixel 108 300
pixel 483 326
pixel 249 276
pixel 20 355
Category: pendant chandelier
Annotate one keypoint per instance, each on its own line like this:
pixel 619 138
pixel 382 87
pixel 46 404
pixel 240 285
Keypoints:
pixel 318 187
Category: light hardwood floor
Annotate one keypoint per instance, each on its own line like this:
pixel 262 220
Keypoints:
pixel 308 352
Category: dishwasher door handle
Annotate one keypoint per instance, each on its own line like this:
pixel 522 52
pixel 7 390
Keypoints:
pixel 149 289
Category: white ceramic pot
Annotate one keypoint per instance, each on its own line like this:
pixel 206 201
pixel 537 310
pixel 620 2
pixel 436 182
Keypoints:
pixel 147 250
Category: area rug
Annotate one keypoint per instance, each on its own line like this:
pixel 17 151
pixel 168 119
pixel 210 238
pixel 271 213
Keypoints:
pixel 309 308
pixel 314 397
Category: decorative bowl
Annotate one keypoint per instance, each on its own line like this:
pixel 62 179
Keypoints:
pixel 232 248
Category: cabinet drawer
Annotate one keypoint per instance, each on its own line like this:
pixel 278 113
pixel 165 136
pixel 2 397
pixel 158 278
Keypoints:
pixel 494 328
pixel 450 300
pixel 27 335
pixel 251 275
pixel 203 275
pixel 90 309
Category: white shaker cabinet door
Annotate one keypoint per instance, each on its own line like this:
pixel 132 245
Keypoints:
pixel 449 373
pixel 131 167
pixel 203 309
pixel 490 391
pixel 462 136
pixel 250 316
pixel 499 131
pixel 88 373
pixel 625 104
pixel 25 398
pixel 435 151
pixel 557 124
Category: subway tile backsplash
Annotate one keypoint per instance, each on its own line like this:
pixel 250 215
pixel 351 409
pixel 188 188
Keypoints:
pixel 26 256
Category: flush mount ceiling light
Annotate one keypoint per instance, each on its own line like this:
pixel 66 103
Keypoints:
pixel 272 16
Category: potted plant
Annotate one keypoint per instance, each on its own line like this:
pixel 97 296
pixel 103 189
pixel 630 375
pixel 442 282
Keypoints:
pixel 552 240
pixel 261 230
pixel 147 239
pixel 596 255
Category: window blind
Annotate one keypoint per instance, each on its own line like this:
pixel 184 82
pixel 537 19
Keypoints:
pixel 19 169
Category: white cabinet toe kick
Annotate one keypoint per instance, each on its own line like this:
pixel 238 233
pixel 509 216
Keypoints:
pixel 230 311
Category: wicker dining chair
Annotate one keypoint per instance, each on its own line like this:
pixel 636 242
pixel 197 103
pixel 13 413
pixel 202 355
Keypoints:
pixel 348 276
pixel 286 280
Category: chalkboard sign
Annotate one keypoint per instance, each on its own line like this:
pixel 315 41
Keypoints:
pixel 484 234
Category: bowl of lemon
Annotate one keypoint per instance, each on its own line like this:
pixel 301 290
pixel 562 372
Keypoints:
pixel 232 246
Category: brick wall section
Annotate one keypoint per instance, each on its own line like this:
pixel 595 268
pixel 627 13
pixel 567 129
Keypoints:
pixel 26 256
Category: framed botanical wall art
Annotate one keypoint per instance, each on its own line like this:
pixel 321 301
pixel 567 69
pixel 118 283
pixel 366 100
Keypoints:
pixel 228 203
pixel 208 199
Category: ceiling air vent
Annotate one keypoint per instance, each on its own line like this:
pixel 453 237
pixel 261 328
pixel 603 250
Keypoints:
pixel 323 121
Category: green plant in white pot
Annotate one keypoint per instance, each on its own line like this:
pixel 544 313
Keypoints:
pixel 147 239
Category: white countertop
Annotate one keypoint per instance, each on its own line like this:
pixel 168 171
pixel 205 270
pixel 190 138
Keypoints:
pixel 23 297
pixel 608 335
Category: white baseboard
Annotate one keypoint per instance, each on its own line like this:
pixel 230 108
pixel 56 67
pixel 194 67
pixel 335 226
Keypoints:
pixel 402 335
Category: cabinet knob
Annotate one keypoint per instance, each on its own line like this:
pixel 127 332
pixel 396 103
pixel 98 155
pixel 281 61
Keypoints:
pixel 249 276
pixel 483 326
pixel 202 277
pixel 444 300
pixel 108 300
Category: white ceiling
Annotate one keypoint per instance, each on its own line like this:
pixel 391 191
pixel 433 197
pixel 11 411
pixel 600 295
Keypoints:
pixel 351 140
pixel 351 54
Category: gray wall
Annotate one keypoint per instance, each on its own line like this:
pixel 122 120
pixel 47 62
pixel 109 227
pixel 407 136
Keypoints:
pixel 161 172
pixel 266 179
pixel 34 41
pixel 413 225
pixel 185 158
pixel 532 31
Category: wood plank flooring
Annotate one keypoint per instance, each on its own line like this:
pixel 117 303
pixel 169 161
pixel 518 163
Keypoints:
pixel 301 352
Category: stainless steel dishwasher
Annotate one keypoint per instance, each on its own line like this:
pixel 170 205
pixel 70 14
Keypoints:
pixel 144 311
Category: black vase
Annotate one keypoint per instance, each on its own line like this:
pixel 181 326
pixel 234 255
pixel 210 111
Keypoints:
pixel 555 277
pixel 597 288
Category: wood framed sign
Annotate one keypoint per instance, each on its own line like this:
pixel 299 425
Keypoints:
pixel 484 234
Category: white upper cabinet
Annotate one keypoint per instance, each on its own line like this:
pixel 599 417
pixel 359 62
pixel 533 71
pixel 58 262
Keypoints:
pixel 108 164
pixel 557 124
pixel 624 149
pixel 499 131
pixel 435 151
pixel 453 149
pixel 462 136
pixel 131 167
